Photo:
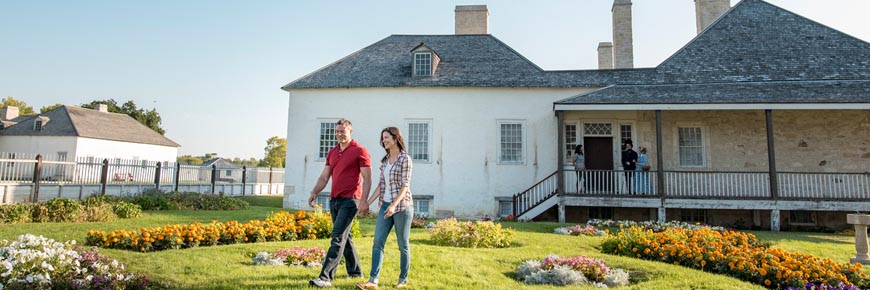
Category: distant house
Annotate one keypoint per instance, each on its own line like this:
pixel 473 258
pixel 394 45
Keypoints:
pixel 71 133
pixel 225 170
pixel 762 120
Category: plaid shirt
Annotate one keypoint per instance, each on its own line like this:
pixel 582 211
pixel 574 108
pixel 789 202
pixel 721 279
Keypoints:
pixel 400 176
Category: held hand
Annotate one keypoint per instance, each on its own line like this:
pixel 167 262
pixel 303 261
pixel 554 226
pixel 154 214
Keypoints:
pixel 363 207
pixel 390 211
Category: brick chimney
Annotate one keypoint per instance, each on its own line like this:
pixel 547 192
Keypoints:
pixel 8 113
pixel 605 55
pixel 707 11
pixel 472 19
pixel 102 108
pixel 623 47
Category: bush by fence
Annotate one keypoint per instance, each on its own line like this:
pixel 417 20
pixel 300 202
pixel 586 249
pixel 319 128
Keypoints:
pixel 94 209
pixel 478 234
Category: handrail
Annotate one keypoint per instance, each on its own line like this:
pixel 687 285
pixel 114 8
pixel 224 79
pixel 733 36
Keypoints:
pixel 535 195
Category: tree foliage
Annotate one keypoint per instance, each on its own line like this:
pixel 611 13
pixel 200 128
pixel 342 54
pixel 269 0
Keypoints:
pixel 45 109
pixel 23 108
pixel 148 118
pixel 276 149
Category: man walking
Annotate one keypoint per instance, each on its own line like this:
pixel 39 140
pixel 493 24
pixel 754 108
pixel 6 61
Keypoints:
pixel 629 164
pixel 350 166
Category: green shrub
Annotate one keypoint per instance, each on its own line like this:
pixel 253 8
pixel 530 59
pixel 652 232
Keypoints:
pixel 152 202
pixel 450 232
pixel 97 212
pixel 156 200
pixel 127 210
pixel 16 213
pixel 63 210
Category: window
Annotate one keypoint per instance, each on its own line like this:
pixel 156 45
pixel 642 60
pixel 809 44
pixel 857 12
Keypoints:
pixel 570 140
pixel 601 213
pixel 422 64
pixel 229 172
pixel 418 140
pixel 597 129
pixel 37 124
pixel 421 206
pixel 624 133
pixel 327 138
pixel 323 201
pixel 693 215
pixel 505 208
pixel 691 146
pixel 801 217
pixel 511 144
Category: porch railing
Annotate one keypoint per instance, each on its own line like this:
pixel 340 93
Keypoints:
pixel 845 186
pixel 535 195
pixel 611 182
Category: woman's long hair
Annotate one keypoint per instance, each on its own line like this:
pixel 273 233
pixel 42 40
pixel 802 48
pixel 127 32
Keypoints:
pixel 578 149
pixel 397 136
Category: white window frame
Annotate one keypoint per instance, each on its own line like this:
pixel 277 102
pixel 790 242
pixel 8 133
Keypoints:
pixel 523 141
pixel 38 124
pixel 578 139
pixel 510 207
pixel 417 66
pixel 323 200
pixel 631 136
pixel 428 206
pixel 705 145
pixel 320 123
pixel 428 123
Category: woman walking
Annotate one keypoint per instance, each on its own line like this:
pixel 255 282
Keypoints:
pixel 396 206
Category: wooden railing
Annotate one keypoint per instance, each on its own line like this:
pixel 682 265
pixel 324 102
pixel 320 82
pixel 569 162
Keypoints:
pixel 610 182
pixel 723 184
pixel 837 186
pixel 535 195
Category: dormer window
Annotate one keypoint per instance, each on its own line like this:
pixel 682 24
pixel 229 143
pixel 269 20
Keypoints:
pixel 37 124
pixel 422 64
pixel 424 61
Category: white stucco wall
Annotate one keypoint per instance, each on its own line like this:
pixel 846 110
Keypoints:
pixel 124 150
pixel 465 175
pixel 46 145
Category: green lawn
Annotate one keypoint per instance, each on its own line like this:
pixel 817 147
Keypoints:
pixel 433 267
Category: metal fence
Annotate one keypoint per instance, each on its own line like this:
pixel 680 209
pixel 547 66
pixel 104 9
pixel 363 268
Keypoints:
pixel 35 170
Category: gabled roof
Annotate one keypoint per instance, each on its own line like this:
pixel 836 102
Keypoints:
pixel 81 122
pixel 466 61
pixel 757 41
pixel 219 162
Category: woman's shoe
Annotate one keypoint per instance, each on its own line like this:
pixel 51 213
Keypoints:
pixel 401 285
pixel 367 286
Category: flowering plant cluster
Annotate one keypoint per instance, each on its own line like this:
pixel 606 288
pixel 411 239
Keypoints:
pixel 419 221
pixel 280 226
pixel 655 226
pixel 733 253
pixel 577 270
pixel 478 234
pixel 578 230
pixel 36 262
pixel 296 256
pixel 92 209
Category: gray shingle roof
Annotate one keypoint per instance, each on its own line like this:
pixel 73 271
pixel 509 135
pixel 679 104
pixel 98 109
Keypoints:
pixel 81 122
pixel 769 92
pixel 466 61
pixel 757 41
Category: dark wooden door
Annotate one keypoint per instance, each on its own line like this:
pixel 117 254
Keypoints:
pixel 599 156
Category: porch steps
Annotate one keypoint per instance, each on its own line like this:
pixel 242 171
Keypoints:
pixel 540 208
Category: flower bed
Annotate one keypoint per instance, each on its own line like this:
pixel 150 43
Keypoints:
pixel 450 232
pixel 158 200
pixel 33 262
pixel 280 226
pixel 732 253
pixel 655 226
pixel 571 271
pixel 580 230
pixel 296 256
pixel 92 209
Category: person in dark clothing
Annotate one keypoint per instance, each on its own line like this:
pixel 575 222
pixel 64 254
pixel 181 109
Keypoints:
pixel 629 164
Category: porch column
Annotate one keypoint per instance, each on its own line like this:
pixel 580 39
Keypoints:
pixel 771 161
pixel 560 171
pixel 660 167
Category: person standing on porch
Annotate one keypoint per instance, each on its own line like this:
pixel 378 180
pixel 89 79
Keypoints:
pixel 629 164
pixel 350 167
pixel 642 178
pixel 396 207
pixel 579 162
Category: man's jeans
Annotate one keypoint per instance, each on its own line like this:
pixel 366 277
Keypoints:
pixel 402 221
pixel 343 210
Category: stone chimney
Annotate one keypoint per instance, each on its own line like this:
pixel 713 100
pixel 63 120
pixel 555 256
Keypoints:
pixel 605 55
pixel 8 113
pixel 102 108
pixel 623 47
pixel 472 19
pixel 707 11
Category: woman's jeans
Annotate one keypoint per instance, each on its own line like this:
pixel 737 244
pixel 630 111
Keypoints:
pixel 402 221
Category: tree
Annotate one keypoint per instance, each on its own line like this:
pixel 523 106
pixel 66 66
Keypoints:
pixel 45 109
pixel 189 160
pixel 276 149
pixel 23 108
pixel 148 118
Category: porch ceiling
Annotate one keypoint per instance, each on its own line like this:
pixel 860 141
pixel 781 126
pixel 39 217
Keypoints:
pixel 824 94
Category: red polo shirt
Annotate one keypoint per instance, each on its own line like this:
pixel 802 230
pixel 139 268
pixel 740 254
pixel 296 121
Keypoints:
pixel 346 175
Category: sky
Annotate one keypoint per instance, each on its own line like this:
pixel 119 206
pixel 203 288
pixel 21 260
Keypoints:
pixel 213 69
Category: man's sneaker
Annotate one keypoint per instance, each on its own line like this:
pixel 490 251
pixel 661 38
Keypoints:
pixel 319 283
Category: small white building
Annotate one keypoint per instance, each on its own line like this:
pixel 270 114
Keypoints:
pixel 71 132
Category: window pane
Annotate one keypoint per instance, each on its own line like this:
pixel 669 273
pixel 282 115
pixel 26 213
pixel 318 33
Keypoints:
pixel 505 208
pixel 511 142
pixel 422 64
pixel 624 133
pixel 327 138
pixel 418 141
pixel 691 146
